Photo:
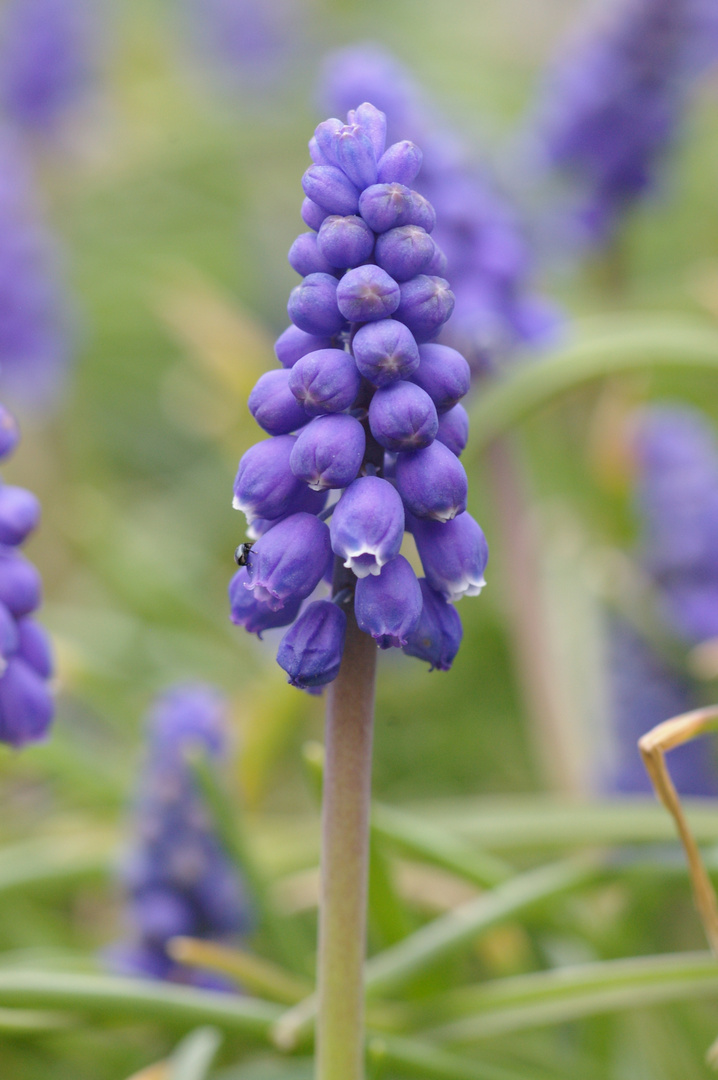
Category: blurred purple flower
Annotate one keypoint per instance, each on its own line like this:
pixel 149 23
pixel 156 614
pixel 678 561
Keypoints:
pixel 644 691
pixel 177 877
pixel 45 53
pixel 675 453
pixel 34 320
pixel 616 99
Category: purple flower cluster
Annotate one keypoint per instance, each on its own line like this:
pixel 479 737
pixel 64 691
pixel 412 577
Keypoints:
pixel 676 459
pixel 34 340
pixel 616 100
pixel 26 703
pixel 178 879
pixel 43 60
pixel 677 496
pixel 644 691
pixel 487 255
pixel 365 403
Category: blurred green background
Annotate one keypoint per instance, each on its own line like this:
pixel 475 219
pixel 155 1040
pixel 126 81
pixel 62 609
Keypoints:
pixel 175 196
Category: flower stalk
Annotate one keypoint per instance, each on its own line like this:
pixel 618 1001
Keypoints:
pixel 345 859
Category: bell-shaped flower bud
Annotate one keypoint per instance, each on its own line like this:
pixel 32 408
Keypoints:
pixel 388 606
pixel 367 293
pixel 306 258
pixel 265 484
pixel 26 705
pixel 367 525
pixel 355 155
pixel 311 650
pixel 294 343
pixel 34 647
pixel 330 188
pixel 373 122
pixel 400 164
pixel 329 452
pixel 313 215
pixel 326 381
pixel 325 140
pixel 387 206
pixel 385 351
pixel 444 374
pixel 317 154
pixel 454 555
pixel 9 634
pixel 425 305
pixel 432 482
pixel 303 501
pixel 422 213
pixel 454 429
pixel 345 241
pixel 9 432
pixel 20 584
pixel 438 264
pixel 288 562
pixel 254 615
pixel 403 417
pixel 313 307
pixel 404 252
pixel 272 404
pixel 19 514
pixel 437 636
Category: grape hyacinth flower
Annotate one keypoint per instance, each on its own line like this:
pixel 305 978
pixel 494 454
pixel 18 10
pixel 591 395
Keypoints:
pixel 361 363
pixel 359 397
pixel 26 665
pixel 34 339
pixel 479 241
pixel 616 100
pixel 44 60
pixel 177 878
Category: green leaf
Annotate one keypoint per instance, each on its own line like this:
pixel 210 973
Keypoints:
pixel 427 841
pixel 602 347
pixel 423 1059
pixel 193 1057
pixel 110 997
pixel 56 859
pixel 535 822
pixel 553 997
pixel 390 969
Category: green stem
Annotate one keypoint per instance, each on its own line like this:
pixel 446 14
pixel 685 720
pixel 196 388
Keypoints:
pixel 345 856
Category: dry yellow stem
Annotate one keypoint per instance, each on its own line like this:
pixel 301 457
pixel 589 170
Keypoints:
pixel 653 746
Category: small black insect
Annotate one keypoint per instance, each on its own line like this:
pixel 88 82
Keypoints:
pixel 241 553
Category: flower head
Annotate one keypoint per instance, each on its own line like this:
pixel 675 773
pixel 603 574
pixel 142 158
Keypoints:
pixel 368 383
pixel 615 102
pixel 177 877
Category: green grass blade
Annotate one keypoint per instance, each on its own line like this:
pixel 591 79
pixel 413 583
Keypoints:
pixel 192 1058
pixel 441 938
pixel 602 347
pixel 552 997
pixel 418 1058
pixel 110 998
pixel 542 822
pixel 423 839
pixel 47 860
